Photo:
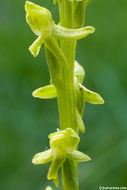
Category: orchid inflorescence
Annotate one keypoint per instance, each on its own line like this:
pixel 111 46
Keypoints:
pixel 67 76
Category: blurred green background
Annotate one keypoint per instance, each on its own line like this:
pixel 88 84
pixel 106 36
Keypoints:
pixel 25 122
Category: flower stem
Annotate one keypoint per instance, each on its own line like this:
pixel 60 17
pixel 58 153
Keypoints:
pixel 72 15
pixel 66 94
pixel 67 111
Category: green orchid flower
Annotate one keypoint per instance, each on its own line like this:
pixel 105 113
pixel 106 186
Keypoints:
pixel 63 145
pixel 66 83
pixel 41 23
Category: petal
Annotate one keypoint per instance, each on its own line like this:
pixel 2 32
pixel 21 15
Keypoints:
pixel 78 156
pixel 65 33
pixel 30 6
pixel 38 18
pixel 39 21
pixel 91 97
pixel 43 157
pixel 45 92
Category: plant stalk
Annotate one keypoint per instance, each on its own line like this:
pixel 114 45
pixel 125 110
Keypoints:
pixel 72 15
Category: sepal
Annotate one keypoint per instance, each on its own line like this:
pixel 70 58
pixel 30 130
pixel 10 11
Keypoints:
pixel 32 6
pixel 78 156
pixel 75 34
pixel 38 18
pixel 91 97
pixel 46 92
pixel 43 157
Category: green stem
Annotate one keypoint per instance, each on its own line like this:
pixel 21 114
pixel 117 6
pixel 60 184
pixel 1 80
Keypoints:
pixel 67 111
pixel 71 16
pixel 66 94
pixel 69 175
pixel 63 79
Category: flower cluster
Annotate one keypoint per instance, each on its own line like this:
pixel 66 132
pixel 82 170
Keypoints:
pixel 63 143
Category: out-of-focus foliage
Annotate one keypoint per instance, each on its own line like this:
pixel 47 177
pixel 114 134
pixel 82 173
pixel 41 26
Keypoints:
pixel 25 122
